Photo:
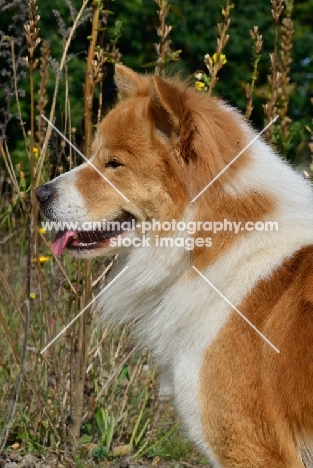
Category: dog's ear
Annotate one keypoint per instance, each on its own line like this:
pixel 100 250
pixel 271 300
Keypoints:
pixel 170 113
pixel 166 101
pixel 129 83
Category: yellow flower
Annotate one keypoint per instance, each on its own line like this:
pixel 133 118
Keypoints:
pixel 44 259
pixel 42 230
pixel 41 259
pixel 32 295
pixel 35 151
pixel 199 85
pixel 222 58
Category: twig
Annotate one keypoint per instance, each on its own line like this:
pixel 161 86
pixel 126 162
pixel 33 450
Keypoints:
pixel 9 236
pixel 12 175
pixel 104 272
pixel 113 376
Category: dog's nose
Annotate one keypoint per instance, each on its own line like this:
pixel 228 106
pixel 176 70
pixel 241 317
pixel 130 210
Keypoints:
pixel 43 193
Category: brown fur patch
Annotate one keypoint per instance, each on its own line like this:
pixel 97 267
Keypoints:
pixel 251 397
pixel 253 206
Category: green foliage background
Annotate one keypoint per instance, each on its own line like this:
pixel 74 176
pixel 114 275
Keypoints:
pixel 194 32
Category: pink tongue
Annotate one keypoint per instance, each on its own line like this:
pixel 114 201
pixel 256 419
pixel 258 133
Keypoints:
pixel 60 242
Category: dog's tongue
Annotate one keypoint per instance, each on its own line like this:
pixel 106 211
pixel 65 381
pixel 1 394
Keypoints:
pixel 60 242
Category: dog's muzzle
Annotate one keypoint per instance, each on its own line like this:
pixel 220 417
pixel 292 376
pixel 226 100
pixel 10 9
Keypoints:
pixel 44 193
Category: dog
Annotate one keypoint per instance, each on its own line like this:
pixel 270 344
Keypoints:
pixel 229 317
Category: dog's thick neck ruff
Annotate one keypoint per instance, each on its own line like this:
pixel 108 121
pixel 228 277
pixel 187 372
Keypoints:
pixel 243 404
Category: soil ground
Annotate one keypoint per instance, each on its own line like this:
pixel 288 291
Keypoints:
pixel 16 460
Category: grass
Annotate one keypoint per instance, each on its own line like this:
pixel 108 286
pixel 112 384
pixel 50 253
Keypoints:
pixel 92 397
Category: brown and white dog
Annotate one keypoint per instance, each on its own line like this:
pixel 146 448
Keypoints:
pixel 242 403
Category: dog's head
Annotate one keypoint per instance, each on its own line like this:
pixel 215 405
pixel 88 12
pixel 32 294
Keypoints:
pixel 145 164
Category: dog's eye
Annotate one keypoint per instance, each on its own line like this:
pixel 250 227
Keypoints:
pixel 113 163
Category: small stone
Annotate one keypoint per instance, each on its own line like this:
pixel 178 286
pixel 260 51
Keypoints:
pixel 124 463
pixel 28 465
pixel 30 458
pixel 29 461
pixel 15 457
pixel 11 465
pixel 121 450
pixel 15 446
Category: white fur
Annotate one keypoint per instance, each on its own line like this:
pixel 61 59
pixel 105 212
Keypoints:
pixel 69 205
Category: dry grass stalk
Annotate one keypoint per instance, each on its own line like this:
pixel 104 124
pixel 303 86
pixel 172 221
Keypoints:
pixel 163 30
pixel 274 79
pixel 32 31
pixel 32 41
pixel 216 62
pixel 256 56
pixel 92 71
pixel 43 98
pixel 79 352
pixel 16 93
pixel 67 120
pixel 11 173
pixel 285 54
pixel 163 49
pixel 99 73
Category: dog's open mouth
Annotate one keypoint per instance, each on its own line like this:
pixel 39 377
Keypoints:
pixel 90 240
